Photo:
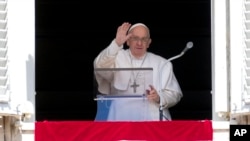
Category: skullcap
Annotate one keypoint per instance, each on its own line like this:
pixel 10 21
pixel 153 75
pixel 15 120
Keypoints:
pixel 137 24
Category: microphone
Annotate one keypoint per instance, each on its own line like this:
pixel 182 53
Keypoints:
pixel 189 45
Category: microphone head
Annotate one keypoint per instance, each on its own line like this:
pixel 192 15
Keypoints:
pixel 189 45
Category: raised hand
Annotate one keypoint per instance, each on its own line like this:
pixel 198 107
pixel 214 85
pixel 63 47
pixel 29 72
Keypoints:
pixel 121 34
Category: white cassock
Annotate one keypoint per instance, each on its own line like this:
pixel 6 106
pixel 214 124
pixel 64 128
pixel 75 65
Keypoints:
pixel 136 109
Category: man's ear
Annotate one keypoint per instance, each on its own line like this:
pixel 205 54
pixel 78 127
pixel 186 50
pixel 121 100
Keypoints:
pixel 149 42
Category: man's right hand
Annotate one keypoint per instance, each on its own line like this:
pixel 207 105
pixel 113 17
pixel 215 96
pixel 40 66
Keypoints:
pixel 121 34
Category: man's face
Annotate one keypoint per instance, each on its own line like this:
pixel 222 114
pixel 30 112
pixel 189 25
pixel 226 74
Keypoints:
pixel 139 41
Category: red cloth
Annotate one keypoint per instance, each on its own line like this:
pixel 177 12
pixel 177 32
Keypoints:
pixel 121 131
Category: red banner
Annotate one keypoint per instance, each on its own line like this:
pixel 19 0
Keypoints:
pixel 123 131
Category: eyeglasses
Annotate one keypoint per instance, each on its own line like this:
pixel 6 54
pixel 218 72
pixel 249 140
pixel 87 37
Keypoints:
pixel 143 40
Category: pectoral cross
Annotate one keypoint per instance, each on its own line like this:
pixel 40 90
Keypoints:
pixel 134 86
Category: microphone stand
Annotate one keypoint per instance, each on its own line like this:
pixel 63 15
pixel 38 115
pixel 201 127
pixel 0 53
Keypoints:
pixel 188 46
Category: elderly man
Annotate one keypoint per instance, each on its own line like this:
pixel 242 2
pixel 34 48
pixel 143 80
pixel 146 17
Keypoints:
pixel 164 90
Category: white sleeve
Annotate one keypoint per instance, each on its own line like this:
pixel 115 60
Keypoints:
pixel 171 92
pixel 106 59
